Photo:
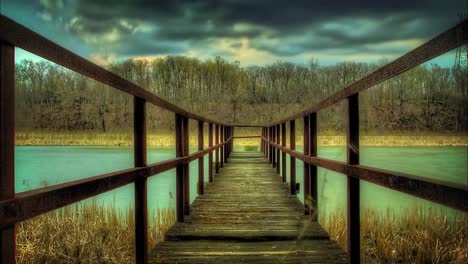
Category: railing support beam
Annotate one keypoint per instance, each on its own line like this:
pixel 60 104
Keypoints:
pixel 270 148
pixel 7 145
pixel 292 143
pixel 217 150
pixel 273 149
pixel 141 199
pixel 283 154
pixel 221 135
pixel 312 168
pixel 277 150
pixel 352 151
pixel 306 175
pixel 201 163
pixel 210 155
pixel 186 165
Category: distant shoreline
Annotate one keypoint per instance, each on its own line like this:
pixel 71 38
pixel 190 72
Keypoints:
pixel 126 139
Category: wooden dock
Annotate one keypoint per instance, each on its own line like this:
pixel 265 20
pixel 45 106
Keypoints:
pixel 247 215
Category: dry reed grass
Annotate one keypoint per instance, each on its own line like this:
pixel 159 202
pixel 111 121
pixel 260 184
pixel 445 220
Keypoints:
pixel 168 139
pixel 87 233
pixel 417 236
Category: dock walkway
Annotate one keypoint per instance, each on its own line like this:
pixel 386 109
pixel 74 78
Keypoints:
pixel 247 216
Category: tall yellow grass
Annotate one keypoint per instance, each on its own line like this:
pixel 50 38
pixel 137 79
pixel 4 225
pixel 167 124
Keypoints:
pixel 88 233
pixel 417 236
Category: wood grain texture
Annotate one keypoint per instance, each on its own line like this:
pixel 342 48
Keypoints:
pixel 247 215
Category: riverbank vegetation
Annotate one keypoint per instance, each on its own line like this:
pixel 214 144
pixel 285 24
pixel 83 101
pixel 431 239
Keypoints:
pixel 417 236
pixel 87 233
pixel 126 139
pixel 93 233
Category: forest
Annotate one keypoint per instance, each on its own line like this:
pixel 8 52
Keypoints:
pixel 428 98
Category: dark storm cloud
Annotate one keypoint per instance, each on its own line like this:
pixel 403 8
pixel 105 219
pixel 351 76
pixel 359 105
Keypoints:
pixel 298 25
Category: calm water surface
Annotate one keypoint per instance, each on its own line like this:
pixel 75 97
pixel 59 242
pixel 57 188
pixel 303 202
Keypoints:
pixel 39 166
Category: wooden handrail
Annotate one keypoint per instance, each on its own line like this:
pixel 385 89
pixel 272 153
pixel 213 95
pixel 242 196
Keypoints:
pixel 442 192
pixel 448 194
pixel 32 203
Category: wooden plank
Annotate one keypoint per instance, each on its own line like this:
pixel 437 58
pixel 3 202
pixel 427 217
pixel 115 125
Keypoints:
pixel 7 145
pixel 201 163
pixel 210 155
pixel 26 39
pixel 441 44
pixel 141 203
pixel 292 162
pixel 203 251
pixel 352 151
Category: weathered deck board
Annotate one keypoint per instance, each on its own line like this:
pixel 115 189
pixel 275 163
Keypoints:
pixel 247 216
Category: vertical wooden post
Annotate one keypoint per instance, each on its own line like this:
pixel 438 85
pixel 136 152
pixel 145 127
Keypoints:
pixel 313 168
pixel 217 150
pixel 270 149
pixel 186 166
pixel 141 199
pixel 201 162
pixel 7 146
pixel 262 141
pixel 179 169
pixel 221 135
pixel 283 154
pixel 273 152
pixel 306 179
pixel 277 150
pixel 226 148
pixel 292 163
pixel 352 151
pixel 210 155
pixel 232 141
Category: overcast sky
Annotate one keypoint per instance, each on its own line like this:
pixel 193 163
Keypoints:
pixel 250 31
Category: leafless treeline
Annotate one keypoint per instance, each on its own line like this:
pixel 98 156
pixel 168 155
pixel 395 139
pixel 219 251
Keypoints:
pixel 427 98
